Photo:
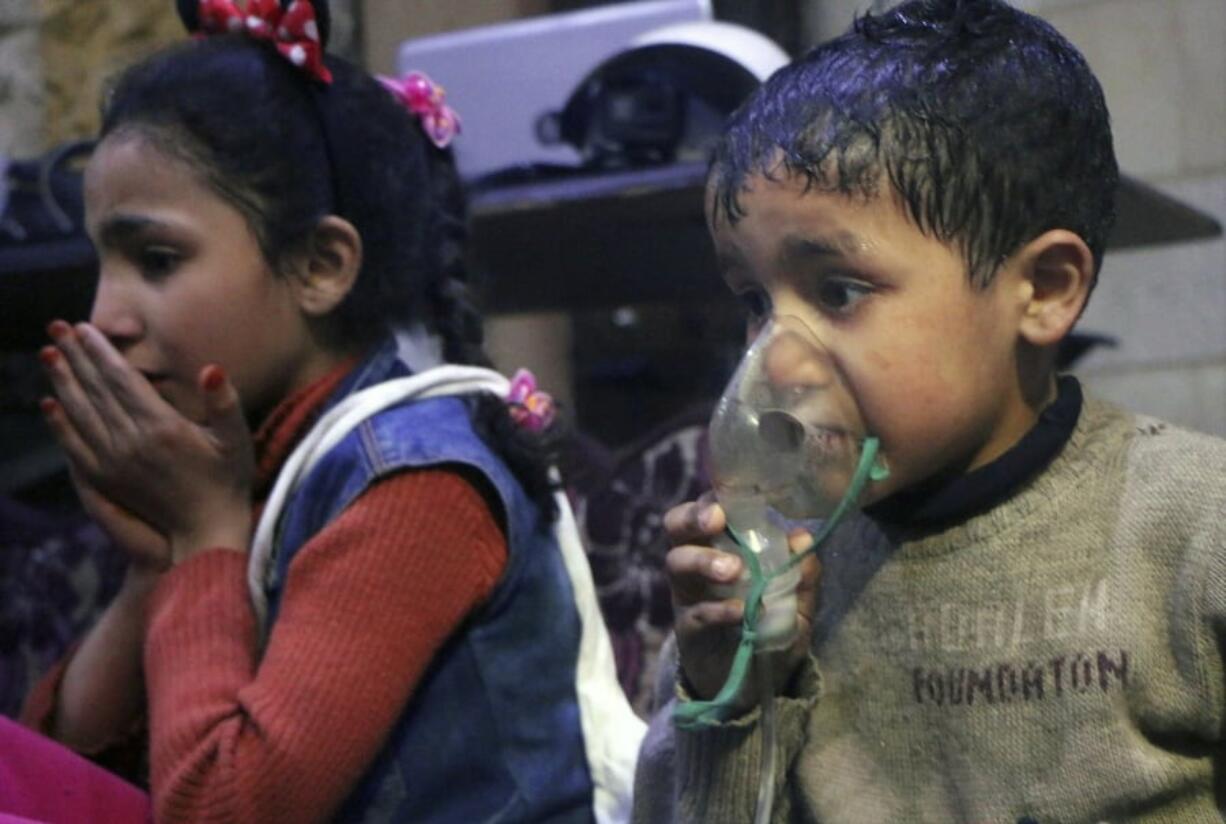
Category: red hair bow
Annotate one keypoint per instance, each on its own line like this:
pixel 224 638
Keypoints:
pixel 426 99
pixel 294 31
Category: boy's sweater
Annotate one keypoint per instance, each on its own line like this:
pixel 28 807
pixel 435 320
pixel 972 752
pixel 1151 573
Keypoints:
pixel 1058 658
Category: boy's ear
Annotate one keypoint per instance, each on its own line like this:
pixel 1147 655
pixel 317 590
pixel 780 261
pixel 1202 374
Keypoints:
pixel 329 266
pixel 1057 269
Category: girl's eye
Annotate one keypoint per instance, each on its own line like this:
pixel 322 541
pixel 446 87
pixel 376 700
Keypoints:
pixel 840 295
pixel 157 262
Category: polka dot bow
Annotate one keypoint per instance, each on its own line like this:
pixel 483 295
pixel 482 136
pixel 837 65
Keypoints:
pixel 530 408
pixel 426 99
pixel 293 31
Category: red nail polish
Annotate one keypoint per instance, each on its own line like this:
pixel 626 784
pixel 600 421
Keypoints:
pixel 214 379
pixel 49 355
pixel 58 329
pixel 47 405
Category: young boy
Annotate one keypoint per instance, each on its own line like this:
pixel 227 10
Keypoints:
pixel 1027 621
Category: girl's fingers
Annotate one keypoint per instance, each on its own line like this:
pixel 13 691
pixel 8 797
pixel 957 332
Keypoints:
pixel 73 403
pixel 130 390
pixel 77 450
pixel 94 385
pixel 223 413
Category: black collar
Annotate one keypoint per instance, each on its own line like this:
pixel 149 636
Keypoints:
pixel 945 501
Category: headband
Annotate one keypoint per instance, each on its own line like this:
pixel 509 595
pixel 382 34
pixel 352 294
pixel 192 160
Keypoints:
pixel 299 31
pixel 295 30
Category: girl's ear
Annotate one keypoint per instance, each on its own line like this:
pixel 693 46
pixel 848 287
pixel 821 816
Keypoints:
pixel 329 266
pixel 1057 268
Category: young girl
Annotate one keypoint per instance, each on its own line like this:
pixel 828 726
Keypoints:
pixel 280 236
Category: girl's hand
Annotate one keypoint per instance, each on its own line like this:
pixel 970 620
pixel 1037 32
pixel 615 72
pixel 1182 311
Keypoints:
pixel 707 622
pixel 191 482
pixel 146 548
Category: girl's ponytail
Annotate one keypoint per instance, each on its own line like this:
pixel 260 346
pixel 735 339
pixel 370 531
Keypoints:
pixel 455 317
pixel 459 325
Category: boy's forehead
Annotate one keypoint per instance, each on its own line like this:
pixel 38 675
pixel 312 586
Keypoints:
pixel 782 221
pixel 788 195
pixel 788 222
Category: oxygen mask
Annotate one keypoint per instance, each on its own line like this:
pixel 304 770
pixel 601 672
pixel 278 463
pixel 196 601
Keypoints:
pixel 788 451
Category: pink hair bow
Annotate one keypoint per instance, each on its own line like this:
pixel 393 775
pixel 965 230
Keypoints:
pixel 530 408
pixel 426 99
pixel 294 31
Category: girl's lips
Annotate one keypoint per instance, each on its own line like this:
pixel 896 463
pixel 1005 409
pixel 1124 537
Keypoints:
pixel 156 379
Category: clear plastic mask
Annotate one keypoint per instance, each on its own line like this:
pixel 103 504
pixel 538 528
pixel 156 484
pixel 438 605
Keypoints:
pixel 787 444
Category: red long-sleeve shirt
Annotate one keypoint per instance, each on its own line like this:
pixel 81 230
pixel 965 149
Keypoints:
pixel 368 601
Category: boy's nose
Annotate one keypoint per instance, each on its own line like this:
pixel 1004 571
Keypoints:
pixel 114 313
pixel 795 361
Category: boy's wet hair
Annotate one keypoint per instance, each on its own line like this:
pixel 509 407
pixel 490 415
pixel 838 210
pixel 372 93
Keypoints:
pixel 987 124
pixel 287 151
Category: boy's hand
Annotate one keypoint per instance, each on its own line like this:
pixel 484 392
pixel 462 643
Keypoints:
pixel 708 623
pixel 708 626
pixel 188 481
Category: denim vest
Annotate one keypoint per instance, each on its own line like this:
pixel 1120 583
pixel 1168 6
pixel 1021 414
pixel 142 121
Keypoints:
pixel 492 732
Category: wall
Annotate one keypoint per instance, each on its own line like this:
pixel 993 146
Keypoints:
pixel 84 44
pixel 22 93
pixel 385 23
pixel 1163 69
pixel 56 57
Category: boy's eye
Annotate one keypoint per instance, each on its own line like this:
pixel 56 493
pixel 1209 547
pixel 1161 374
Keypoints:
pixel 840 295
pixel 756 303
pixel 757 310
pixel 157 261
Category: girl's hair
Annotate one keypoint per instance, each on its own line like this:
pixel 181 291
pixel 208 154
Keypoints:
pixel 286 151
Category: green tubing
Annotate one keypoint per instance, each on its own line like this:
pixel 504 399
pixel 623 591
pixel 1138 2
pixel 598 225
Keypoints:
pixel 693 715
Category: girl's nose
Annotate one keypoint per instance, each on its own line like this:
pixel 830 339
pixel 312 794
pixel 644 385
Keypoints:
pixel 115 313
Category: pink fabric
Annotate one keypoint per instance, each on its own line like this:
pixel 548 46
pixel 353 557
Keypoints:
pixel 43 781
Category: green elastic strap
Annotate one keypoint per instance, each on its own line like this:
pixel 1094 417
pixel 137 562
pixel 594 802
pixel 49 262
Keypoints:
pixel 692 715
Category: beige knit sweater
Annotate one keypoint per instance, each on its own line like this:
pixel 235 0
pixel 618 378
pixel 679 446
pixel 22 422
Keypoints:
pixel 1056 659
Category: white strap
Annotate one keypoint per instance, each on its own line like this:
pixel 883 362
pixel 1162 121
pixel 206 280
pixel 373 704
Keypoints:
pixel 329 430
pixel 611 730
